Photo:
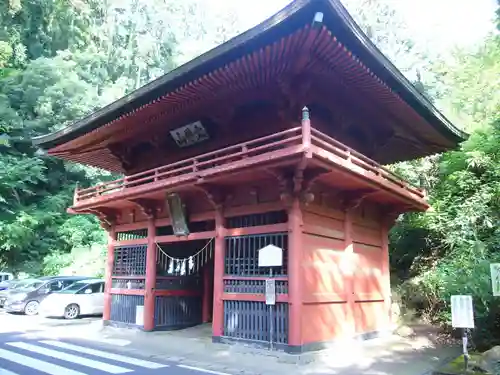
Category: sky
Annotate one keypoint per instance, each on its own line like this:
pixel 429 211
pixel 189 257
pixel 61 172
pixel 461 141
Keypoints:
pixel 442 24
pixel 451 22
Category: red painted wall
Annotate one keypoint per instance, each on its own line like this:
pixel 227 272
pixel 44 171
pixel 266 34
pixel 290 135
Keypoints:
pixel 343 284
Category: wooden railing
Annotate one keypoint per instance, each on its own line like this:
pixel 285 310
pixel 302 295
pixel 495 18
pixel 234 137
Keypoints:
pixel 198 166
pixel 339 149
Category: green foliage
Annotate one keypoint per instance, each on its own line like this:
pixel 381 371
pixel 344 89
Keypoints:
pixel 59 61
pixel 35 191
pixel 87 260
pixel 379 20
pixel 468 87
pixel 498 16
pixel 448 250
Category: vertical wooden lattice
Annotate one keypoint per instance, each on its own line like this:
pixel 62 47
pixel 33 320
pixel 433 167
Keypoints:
pixel 250 320
pixel 124 307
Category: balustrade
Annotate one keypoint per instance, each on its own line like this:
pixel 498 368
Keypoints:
pixel 204 165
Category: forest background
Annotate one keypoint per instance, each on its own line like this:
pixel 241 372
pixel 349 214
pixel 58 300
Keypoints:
pixel 62 59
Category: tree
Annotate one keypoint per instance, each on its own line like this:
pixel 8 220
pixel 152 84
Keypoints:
pixel 59 61
pixel 468 86
pixel 71 69
pixel 448 250
pixel 388 31
pixel 34 191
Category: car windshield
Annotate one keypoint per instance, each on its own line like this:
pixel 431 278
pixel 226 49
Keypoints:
pixel 73 288
pixel 26 284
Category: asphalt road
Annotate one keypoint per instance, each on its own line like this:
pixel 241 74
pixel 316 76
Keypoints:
pixel 20 356
pixel 24 354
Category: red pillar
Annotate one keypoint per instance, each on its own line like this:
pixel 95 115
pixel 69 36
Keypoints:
pixel 349 277
pixel 108 273
pixel 149 296
pixel 295 244
pixel 219 255
pixel 386 273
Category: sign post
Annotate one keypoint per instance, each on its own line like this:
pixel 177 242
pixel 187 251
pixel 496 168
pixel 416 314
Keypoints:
pixel 495 278
pixel 271 256
pixel 462 316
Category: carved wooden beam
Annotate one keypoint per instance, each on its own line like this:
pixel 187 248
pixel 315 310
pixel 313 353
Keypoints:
pixel 332 194
pixel 385 142
pixel 285 183
pixel 123 154
pixel 149 207
pixel 294 90
pixel 107 216
pixel 371 109
pixel 310 179
pixel 373 138
pixel 223 115
pixel 297 183
pixel 156 142
pixel 215 195
pixel 353 199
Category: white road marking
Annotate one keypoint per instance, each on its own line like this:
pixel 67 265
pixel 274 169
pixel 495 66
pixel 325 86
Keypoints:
pixel 98 353
pixel 203 370
pixel 70 358
pixel 36 364
pixel 6 372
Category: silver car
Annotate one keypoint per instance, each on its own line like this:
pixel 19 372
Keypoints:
pixel 84 297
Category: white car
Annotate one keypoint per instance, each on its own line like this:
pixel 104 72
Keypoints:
pixel 85 297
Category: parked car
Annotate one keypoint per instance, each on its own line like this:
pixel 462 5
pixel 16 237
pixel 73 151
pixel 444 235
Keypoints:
pixel 8 285
pixel 26 298
pixel 84 297
pixel 5 278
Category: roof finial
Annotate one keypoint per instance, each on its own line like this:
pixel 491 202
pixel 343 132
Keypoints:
pixel 318 19
pixel 305 113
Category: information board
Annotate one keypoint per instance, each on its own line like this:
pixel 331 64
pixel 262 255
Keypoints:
pixel 139 315
pixel 462 313
pixel 495 278
pixel 271 256
pixel 270 292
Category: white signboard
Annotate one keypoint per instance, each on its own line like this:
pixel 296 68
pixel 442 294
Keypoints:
pixel 462 314
pixel 270 292
pixel 139 315
pixel 495 278
pixel 271 256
